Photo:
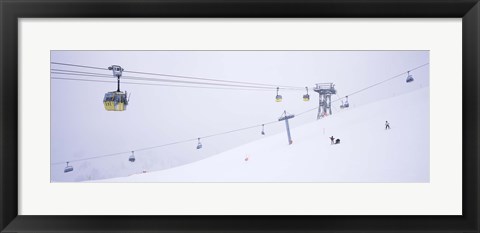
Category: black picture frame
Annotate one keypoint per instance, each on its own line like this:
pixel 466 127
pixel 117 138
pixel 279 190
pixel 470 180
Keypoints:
pixel 12 10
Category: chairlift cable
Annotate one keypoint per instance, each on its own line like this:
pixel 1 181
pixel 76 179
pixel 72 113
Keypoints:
pixel 381 82
pixel 164 145
pixel 368 87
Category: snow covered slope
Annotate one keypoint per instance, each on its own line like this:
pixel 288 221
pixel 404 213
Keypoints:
pixel 367 153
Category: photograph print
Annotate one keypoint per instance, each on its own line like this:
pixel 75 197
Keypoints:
pixel 240 116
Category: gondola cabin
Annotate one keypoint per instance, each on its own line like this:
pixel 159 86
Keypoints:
pixel 115 101
pixel 278 98
pixel 306 97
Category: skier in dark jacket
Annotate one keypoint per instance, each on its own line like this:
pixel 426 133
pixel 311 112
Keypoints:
pixel 387 125
pixel 332 139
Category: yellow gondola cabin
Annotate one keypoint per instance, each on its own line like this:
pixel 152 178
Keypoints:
pixel 115 101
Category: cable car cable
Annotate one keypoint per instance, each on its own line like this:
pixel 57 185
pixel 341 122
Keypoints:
pixel 82 66
pixel 209 79
pixel 180 76
pixel 156 84
pixel 161 80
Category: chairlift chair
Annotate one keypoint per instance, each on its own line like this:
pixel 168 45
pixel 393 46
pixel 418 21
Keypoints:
pixel 345 104
pixel 132 157
pixel 199 145
pixel 409 77
pixel 68 168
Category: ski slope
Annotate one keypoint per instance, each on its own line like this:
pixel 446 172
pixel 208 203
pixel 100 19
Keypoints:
pixel 367 153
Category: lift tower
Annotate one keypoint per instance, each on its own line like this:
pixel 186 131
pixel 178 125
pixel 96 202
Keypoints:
pixel 284 117
pixel 325 91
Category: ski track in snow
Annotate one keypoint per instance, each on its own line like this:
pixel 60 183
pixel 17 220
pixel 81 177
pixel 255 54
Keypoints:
pixel 367 153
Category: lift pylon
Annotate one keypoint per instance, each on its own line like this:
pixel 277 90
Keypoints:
pixel 285 116
pixel 325 92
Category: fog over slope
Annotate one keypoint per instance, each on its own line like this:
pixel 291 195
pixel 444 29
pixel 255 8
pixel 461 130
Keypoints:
pixel 367 152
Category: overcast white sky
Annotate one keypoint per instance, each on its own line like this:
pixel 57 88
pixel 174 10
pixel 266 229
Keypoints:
pixel 80 127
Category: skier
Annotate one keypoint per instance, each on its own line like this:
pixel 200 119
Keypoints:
pixel 387 125
pixel 332 140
